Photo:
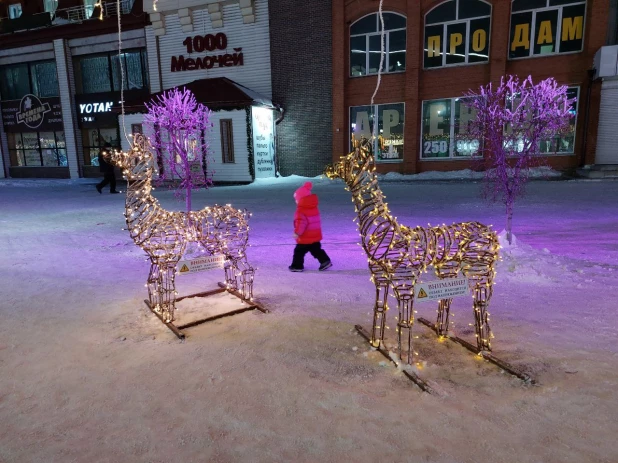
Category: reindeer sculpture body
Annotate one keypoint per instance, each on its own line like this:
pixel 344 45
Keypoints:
pixel 164 235
pixel 398 255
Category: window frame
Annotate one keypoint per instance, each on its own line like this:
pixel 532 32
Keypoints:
pixel 29 66
pixel 111 78
pixel 12 8
pixel 451 134
pixel 467 41
pixel 558 29
pixel 377 120
pixel 50 6
pixel 227 158
pixel 386 44
pixel 453 126
pixel 87 148
pixel 14 152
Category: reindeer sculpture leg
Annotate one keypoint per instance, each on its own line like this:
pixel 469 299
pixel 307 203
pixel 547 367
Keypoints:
pixel 450 270
pixel 404 292
pixel 482 295
pixel 380 307
pixel 154 286
pixel 168 290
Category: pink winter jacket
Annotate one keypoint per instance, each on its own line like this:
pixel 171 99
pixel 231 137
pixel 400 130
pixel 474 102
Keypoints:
pixel 307 220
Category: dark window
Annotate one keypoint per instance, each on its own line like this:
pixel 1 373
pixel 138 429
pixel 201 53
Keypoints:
pixel 94 140
pixel 44 79
pixel 365 44
pixel 457 32
pixel 227 141
pixel 102 73
pixel 39 78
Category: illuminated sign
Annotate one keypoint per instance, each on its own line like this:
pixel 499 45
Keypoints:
pixel 101 107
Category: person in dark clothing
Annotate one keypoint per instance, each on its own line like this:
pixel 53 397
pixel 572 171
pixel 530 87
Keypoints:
pixel 109 176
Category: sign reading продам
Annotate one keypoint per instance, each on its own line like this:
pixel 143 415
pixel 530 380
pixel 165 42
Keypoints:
pixel 441 289
pixel 200 264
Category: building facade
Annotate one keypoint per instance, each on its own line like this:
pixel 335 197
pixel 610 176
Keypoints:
pixel 436 51
pixel 220 50
pixel 59 79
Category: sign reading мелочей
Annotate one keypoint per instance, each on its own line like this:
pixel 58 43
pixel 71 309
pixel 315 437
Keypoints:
pixel 200 264
pixel 441 289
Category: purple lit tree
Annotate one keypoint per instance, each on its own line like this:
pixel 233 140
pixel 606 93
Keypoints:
pixel 510 121
pixel 179 125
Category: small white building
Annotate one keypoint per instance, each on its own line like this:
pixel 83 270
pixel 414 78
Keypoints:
pixel 219 50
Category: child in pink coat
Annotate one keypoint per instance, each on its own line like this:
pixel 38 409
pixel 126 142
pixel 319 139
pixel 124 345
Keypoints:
pixel 307 230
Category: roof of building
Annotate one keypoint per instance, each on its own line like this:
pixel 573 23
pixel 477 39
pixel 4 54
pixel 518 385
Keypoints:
pixel 217 93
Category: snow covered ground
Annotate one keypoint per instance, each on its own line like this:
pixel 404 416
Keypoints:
pixel 88 374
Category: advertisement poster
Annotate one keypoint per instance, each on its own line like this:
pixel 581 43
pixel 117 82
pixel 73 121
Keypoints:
pixel 263 142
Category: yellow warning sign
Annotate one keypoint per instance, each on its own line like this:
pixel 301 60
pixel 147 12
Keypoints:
pixel 184 268
pixel 421 293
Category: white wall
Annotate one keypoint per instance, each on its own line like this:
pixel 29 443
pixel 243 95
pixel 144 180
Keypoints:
pixel 237 172
pixel 253 38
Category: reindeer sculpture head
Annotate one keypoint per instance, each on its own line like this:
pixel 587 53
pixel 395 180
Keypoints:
pixel 349 167
pixel 137 163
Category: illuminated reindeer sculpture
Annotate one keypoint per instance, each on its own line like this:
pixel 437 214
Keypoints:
pixel 398 255
pixel 164 235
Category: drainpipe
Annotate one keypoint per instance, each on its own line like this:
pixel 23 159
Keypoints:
pixel 281 113
pixel 591 73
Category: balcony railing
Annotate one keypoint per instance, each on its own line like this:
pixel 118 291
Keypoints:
pixel 76 14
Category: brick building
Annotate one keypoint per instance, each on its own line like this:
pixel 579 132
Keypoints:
pixel 437 50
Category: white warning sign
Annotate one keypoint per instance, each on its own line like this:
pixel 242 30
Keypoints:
pixel 200 264
pixel 441 289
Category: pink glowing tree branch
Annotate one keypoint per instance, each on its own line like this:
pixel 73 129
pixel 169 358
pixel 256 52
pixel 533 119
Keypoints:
pixel 511 121
pixel 179 125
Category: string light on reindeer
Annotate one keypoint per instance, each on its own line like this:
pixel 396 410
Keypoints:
pixel 165 235
pixel 397 255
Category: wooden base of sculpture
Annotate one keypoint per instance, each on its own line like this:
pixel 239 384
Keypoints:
pixel 178 330
pixel 411 375
pixel 486 355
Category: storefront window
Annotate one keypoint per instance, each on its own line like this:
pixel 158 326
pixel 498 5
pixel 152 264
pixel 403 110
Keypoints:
pixel 457 32
pixel 36 149
pixel 563 143
pixel 102 73
pixel 95 139
pixel 545 27
pixel 445 130
pixel 388 146
pixel 365 37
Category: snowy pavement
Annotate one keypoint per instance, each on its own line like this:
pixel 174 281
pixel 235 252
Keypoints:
pixel 88 374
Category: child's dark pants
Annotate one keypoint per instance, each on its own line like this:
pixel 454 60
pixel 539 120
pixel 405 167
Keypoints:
pixel 298 261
